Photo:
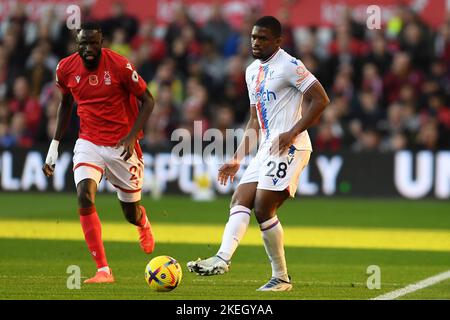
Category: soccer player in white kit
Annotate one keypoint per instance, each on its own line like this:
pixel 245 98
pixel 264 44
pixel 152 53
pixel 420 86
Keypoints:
pixel 276 83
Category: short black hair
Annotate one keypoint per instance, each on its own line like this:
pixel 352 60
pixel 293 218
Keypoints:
pixel 90 25
pixel 270 23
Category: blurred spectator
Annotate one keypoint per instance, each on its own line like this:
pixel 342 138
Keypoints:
pixel 438 109
pixel 217 28
pixel 372 81
pixel 325 141
pixel 441 112
pixel 414 41
pixel 5 76
pixel 185 48
pixel 4 114
pixel 396 142
pixel 119 42
pixel 163 120
pixel 439 74
pixel 50 59
pixel 356 29
pixel 6 140
pixel 428 136
pixel 224 119
pixel 194 107
pixel 154 48
pixel 14 51
pixel 213 65
pixel 19 135
pixel 26 105
pixel 378 53
pixel 235 91
pixel 395 22
pixel 346 50
pixel 401 73
pixel 442 42
pixel 395 121
pixel 330 133
pixel 369 141
pixel 181 21
pixel 166 74
pixel 368 110
pixel 119 19
pixel 50 98
pixel 287 34
pixel 239 39
pixel 343 85
pixel 407 95
pixel 37 73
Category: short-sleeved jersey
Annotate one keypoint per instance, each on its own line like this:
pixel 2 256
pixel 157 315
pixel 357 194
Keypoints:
pixel 106 97
pixel 276 89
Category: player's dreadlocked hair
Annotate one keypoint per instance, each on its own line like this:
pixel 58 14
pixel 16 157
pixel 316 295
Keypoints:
pixel 90 25
pixel 270 23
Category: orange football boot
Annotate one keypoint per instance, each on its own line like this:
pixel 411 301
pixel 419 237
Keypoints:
pixel 101 277
pixel 146 240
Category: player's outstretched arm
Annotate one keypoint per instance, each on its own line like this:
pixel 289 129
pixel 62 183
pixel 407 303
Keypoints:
pixel 248 143
pixel 62 121
pixel 319 100
pixel 145 111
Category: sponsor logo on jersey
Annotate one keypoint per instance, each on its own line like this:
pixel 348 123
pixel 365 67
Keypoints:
pixel 107 78
pixel 266 95
pixel 274 180
pixel 93 80
pixel 302 74
pixel 291 154
pixel 135 76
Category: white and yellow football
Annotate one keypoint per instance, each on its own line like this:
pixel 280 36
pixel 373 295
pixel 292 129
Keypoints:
pixel 163 273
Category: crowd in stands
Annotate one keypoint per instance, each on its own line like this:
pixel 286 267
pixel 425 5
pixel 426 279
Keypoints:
pixel 389 88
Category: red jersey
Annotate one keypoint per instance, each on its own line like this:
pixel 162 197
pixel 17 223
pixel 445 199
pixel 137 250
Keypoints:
pixel 106 97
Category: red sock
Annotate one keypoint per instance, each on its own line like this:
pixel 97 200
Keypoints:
pixel 92 229
pixel 143 217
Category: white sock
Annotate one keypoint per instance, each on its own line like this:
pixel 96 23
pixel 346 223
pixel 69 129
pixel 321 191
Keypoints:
pixel 105 269
pixel 273 236
pixel 234 231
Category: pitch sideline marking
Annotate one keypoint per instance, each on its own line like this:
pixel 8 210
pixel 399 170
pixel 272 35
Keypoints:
pixel 414 287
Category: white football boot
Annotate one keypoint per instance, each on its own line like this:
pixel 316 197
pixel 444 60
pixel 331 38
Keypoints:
pixel 276 284
pixel 209 267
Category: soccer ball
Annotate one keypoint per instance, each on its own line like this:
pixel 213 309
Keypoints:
pixel 163 273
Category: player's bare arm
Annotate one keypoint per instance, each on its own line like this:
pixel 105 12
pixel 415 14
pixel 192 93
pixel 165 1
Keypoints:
pixel 248 143
pixel 129 140
pixel 62 121
pixel 319 100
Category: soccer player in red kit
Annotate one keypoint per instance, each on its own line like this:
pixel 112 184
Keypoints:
pixel 106 88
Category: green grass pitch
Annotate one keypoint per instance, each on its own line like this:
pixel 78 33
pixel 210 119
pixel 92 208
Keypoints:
pixel 330 244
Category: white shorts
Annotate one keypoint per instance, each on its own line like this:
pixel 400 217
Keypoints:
pixel 276 173
pixel 92 162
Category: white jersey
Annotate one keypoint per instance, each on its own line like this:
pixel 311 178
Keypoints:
pixel 276 89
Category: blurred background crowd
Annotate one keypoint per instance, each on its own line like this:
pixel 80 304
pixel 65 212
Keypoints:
pixel 389 88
